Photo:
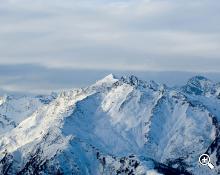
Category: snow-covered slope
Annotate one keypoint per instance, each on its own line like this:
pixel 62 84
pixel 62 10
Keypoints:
pixel 14 109
pixel 118 126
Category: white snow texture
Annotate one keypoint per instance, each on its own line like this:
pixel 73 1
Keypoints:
pixel 117 126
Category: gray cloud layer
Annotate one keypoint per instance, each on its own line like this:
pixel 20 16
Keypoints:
pixel 138 35
pixel 38 79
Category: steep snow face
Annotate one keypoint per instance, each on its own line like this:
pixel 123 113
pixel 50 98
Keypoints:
pixel 2 100
pixel 14 109
pixel 117 126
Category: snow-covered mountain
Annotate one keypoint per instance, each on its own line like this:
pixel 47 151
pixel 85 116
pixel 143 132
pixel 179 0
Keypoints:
pixel 115 126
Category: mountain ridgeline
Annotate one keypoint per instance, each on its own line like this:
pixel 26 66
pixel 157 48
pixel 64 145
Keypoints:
pixel 117 126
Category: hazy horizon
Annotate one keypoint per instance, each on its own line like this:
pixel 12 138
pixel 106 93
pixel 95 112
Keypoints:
pixel 36 79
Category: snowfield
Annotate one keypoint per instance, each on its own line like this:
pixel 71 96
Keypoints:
pixel 117 126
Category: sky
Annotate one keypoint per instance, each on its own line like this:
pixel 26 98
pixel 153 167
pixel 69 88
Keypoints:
pixel 58 42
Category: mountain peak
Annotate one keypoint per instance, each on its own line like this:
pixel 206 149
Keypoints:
pixel 198 85
pixel 199 78
pixel 108 79
pixel 132 80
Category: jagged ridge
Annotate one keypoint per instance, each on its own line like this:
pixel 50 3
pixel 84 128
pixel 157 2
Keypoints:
pixel 95 130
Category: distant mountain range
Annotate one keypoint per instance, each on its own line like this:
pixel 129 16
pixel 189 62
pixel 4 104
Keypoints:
pixel 117 126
